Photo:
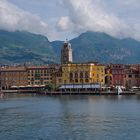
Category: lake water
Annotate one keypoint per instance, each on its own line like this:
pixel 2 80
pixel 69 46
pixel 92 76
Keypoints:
pixel 33 117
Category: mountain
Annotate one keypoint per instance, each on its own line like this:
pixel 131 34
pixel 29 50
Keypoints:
pixel 22 47
pixel 95 46
pixel 57 45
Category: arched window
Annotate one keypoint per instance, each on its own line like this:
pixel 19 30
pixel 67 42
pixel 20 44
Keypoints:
pixel 71 75
pixel 76 75
pixel 86 75
pixel 81 80
pixel 86 80
pixel 71 80
pixel 81 74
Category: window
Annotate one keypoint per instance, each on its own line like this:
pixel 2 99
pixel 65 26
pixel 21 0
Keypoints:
pixel 81 75
pixel 71 75
pixel 102 69
pixel 76 75
pixel 81 80
pixel 86 75
pixel 71 80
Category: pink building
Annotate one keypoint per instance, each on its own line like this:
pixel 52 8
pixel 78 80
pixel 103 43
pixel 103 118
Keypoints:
pixel 117 71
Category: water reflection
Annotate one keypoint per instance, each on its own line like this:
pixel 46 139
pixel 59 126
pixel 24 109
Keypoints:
pixel 36 117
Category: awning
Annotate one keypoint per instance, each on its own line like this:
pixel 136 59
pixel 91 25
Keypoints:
pixel 80 86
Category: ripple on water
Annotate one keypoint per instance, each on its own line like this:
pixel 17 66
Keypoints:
pixel 69 117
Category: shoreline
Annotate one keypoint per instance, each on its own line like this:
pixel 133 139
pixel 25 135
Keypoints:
pixel 68 92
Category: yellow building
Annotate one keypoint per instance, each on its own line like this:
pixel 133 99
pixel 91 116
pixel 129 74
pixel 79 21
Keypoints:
pixel 98 73
pixel 83 73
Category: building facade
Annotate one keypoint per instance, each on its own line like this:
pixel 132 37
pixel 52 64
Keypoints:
pixel 71 73
pixel 22 76
pixel 13 76
pixel 132 76
pixel 118 73
pixel 40 75
pixel 83 73
pixel 108 76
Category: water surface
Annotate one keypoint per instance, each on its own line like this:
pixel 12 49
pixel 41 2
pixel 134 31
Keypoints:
pixel 33 117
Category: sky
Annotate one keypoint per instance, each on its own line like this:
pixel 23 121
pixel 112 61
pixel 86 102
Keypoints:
pixel 61 19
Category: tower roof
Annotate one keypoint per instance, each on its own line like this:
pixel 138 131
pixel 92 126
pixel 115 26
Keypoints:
pixel 68 44
pixel 66 41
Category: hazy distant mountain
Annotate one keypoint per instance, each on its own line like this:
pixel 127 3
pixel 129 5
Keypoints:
pixel 21 47
pixel 94 46
pixel 57 45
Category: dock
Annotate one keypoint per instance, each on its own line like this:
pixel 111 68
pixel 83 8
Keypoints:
pixel 88 93
pixel 70 92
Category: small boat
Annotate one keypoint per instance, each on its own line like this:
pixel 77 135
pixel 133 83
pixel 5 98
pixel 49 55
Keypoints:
pixel 119 90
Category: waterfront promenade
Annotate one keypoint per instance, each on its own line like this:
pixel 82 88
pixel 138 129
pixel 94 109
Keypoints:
pixel 70 92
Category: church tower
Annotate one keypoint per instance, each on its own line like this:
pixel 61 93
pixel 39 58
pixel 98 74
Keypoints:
pixel 66 53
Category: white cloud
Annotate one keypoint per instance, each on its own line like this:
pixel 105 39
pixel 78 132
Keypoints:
pixel 92 15
pixel 116 17
pixel 13 18
pixel 64 24
pixel 132 3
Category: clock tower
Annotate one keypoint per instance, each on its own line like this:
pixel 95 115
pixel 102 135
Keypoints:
pixel 66 53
